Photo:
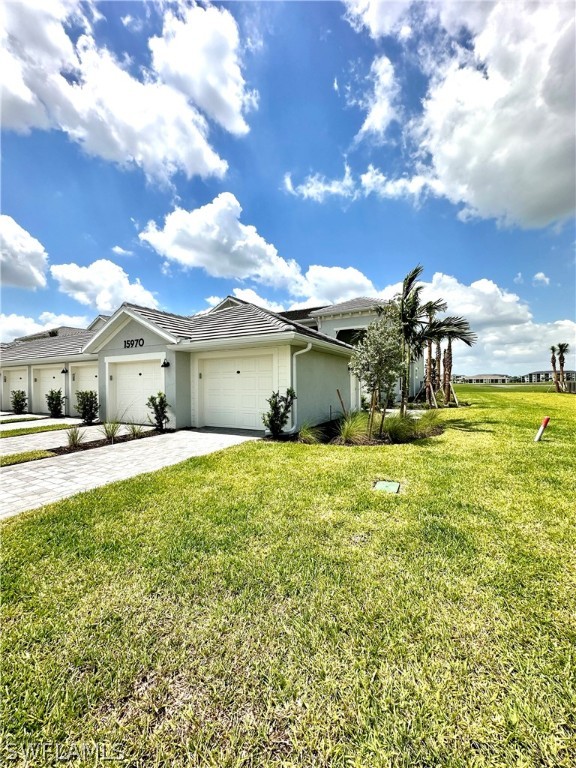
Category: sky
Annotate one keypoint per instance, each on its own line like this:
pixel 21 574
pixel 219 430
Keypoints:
pixel 292 154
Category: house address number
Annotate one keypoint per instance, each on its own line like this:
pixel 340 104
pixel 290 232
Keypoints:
pixel 131 343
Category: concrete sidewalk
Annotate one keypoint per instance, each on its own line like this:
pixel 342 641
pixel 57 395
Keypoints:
pixel 36 483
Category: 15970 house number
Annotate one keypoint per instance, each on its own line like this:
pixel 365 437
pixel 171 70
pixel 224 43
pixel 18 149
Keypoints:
pixel 131 343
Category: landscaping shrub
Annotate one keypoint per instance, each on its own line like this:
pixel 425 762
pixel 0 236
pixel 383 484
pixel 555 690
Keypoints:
pixel 19 401
pixel 399 429
pixel 309 435
pixel 75 436
pixel 87 406
pixel 427 425
pixel 110 430
pixel 352 429
pixel 55 402
pixel 159 407
pixel 135 430
pixel 280 406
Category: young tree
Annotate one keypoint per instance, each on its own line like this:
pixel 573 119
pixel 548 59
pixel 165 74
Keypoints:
pixel 377 360
pixel 563 349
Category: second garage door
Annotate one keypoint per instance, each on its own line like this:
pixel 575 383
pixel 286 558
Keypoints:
pixel 132 385
pixel 84 379
pixel 235 391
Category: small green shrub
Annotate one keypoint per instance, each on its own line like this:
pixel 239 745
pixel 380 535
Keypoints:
pixel 135 430
pixel 309 435
pixel 428 424
pixel 159 405
pixel 55 402
pixel 280 406
pixel 110 430
pixel 399 429
pixel 352 429
pixel 87 406
pixel 19 400
pixel 75 436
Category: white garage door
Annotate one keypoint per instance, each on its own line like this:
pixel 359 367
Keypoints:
pixel 133 383
pixel 235 391
pixel 15 380
pixel 84 378
pixel 45 380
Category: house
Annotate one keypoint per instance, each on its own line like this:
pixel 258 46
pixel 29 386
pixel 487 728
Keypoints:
pixel 217 368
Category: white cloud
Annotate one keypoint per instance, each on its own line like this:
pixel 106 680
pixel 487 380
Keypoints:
pixel 24 259
pixel 335 86
pixel 13 326
pixel 248 294
pixel 318 188
pixel 375 182
pixel 519 279
pixel 50 82
pixel 213 238
pixel 119 251
pixel 540 279
pixel 496 131
pixel 102 285
pixel 381 103
pixel 329 285
pixel 198 54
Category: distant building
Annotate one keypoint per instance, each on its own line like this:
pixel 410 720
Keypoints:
pixel 485 378
pixel 542 377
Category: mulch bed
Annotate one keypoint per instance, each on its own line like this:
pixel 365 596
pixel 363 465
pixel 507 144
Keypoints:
pixel 100 443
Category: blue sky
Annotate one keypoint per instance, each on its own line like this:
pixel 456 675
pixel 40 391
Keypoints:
pixel 295 154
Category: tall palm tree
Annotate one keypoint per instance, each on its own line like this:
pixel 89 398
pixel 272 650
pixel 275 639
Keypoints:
pixel 563 349
pixel 431 376
pixel 553 363
pixel 416 327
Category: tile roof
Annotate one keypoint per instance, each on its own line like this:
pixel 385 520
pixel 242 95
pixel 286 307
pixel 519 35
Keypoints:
pixel 300 314
pixel 58 347
pixel 363 303
pixel 237 322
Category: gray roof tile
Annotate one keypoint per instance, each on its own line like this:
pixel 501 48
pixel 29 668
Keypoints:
pixel 58 347
pixel 363 303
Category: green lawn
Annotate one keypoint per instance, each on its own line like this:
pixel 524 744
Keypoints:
pixel 33 430
pixel 265 607
pixel 24 456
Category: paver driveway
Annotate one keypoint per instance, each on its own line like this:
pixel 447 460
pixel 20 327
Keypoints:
pixel 31 485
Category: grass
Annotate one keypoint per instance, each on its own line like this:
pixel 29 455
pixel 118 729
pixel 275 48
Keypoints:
pixel 32 430
pixel 288 615
pixel 19 419
pixel 23 457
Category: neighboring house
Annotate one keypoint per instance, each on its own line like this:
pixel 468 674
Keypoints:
pixel 539 377
pixel 217 369
pixel 484 378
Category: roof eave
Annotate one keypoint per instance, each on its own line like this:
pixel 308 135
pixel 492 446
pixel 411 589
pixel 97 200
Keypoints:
pixel 260 340
pixel 118 320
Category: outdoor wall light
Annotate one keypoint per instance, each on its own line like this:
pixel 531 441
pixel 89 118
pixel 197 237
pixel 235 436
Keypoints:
pixel 64 370
pixel 165 364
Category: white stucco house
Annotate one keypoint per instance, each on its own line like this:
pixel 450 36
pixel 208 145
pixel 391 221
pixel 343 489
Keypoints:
pixel 217 368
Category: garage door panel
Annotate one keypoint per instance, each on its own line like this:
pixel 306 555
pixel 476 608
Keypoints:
pixel 235 391
pixel 133 385
pixel 46 379
pixel 84 379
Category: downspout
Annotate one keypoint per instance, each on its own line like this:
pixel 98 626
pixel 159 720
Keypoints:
pixel 293 429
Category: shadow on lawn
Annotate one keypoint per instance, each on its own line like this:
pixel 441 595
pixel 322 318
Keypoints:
pixel 466 426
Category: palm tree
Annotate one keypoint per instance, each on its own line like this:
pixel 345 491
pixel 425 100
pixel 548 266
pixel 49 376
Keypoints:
pixel 416 328
pixel 563 349
pixel 553 363
pixel 459 331
pixel 430 381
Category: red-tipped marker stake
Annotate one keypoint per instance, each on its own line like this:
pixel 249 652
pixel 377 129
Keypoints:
pixel 543 426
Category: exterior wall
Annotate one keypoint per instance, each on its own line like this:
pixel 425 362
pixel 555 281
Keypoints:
pixel 179 391
pixel 318 376
pixel 14 378
pixel 331 325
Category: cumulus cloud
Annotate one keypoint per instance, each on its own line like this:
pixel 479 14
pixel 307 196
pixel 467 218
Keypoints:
pixel 496 131
pixel 12 326
pixel 540 279
pixel 156 122
pixel 24 259
pixel 213 238
pixel 373 181
pixel 317 187
pixel 198 53
pixel 119 251
pixel 102 285
pixel 519 279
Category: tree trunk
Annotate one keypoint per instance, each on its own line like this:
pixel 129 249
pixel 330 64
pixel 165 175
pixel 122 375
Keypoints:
pixel 445 388
pixel 555 372
pixel 405 381
pixel 429 375
pixel 438 366
pixel 447 372
pixel 561 361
